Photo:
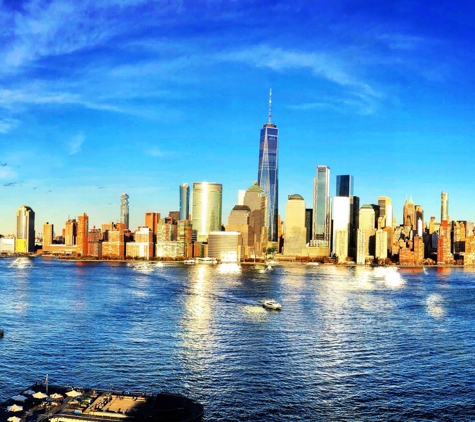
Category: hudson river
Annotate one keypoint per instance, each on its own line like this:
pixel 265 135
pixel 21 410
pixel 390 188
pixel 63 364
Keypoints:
pixel 350 344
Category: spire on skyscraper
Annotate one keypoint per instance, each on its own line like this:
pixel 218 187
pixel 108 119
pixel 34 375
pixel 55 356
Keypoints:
pixel 270 106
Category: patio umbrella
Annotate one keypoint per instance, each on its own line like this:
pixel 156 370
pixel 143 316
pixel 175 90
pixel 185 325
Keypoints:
pixel 14 419
pixel 15 408
pixel 19 397
pixel 29 392
pixel 73 393
pixel 56 396
pixel 39 395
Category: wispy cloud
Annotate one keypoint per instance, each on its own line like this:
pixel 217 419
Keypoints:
pixel 74 144
pixel 8 124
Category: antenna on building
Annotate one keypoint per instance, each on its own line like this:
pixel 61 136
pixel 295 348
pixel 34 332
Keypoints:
pixel 270 106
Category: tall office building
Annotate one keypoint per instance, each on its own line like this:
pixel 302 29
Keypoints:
pixel 124 209
pixel 295 231
pixel 82 233
pixel 341 226
pixel 206 209
pixel 267 177
pixel 25 229
pixel 321 207
pixel 48 234
pixel 385 210
pixel 184 202
pixel 151 220
pixel 344 185
pixel 255 199
pixel 444 206
pixel 409 214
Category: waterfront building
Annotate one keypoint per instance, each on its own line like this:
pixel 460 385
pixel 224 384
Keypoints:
pixel 267 174
pixel 238 221
pixel 444 256
pixel 70 232
pixel 341 227
pixel 241 194
pixel 367 223
pixel 25 230
pixel 255 199
pixel 94 242
pixel 115 247
pixel 360 246
pixel 354 223
pixel 7 245
pixel 48 234
pixel 166 230
pixel 124 209
pixel 295 231
pixel 142 246
pixel 225 246
pixel 344 185
pixel 321 208
pixel 444 206
pixel 82 234
pixel 206 210
pixel 184 201
pixel 381 248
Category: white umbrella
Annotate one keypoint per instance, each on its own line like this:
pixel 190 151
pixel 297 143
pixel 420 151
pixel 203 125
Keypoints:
pixel 73 393
pixel 29 392
pixel 19 397
pixel 56 396
pixel 39 395
pixel 14 419
pixel 14 408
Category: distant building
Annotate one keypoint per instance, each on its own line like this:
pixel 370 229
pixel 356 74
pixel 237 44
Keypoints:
pixel 25 230
pixel 444 206
pixel 184 202
pixel 225 246
pixel 124 209
pixel 142 246
pixel 385 210
pixel 255 199
pixel 267 174
pixel 151 220
pixel 321 208
pixel 206 213
pixel 295 231
pixel 48 234
pixel 82 234
pixel 341 227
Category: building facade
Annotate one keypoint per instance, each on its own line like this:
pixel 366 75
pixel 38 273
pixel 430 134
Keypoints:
pixel 25 230
pixel 267 174
pixel 206 210
pixel 295 231
pixel 344 185
pixel 321 208
pixel 124 209
pixel 184 201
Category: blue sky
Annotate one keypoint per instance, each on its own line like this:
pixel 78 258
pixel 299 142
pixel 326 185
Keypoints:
pixel 103 97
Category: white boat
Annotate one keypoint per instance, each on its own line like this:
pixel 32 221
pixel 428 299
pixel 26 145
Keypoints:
pixel 189 261
pixel 271 304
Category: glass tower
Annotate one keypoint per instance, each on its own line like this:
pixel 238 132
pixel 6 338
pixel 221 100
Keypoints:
pixel 184 202
pixel 206 212
pixel 321 207
pixel 124 209
pixel 267 173
pixel 25 229
pixel 344 185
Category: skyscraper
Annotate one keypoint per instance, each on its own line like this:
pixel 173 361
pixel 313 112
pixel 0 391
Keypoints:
pixel 255 199
pixel 267 172
pixel 25 229
pixel 295 232
pixel 385 210
pixel 341 226
pixel 344 185
pixel 124 209
pixel 321 207
pixel 184 202
pixel 206 212
pixel 444 206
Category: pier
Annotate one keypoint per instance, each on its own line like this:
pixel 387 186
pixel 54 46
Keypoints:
pixel 40 403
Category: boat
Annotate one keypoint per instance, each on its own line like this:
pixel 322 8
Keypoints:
pixel 271 304
pixel 189 261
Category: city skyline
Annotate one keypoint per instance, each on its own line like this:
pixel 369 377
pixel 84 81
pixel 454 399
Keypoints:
pixel 93 105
